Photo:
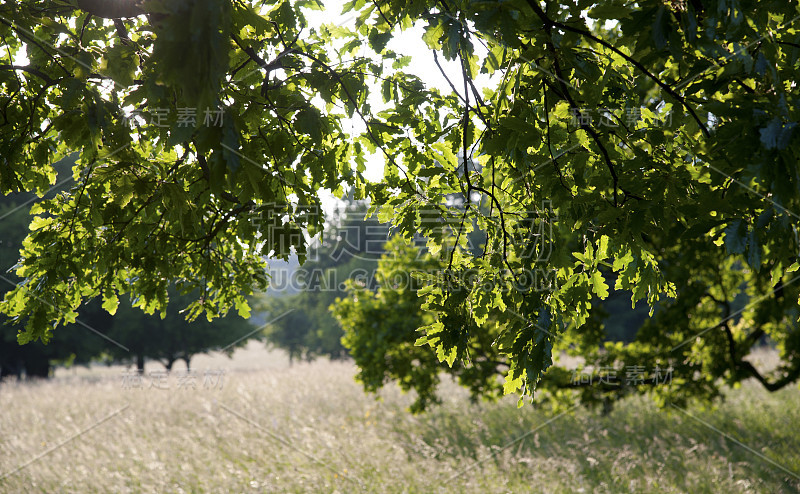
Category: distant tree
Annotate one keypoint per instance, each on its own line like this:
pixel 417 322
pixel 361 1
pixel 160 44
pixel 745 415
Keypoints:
pixel 380 331
pixel 292 332
pixel 350 248
pixel 173 338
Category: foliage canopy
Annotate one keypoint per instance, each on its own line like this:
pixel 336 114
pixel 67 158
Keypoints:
pixel 652 140
pixel 96 336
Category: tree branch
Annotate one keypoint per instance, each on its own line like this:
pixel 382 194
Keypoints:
pixel 31 70
pixel 548 26
pixel 791 375
pixel 551 23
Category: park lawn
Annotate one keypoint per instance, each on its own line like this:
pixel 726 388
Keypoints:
pixel 310 428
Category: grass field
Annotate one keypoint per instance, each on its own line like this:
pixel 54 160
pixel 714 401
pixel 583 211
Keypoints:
pixel 263 426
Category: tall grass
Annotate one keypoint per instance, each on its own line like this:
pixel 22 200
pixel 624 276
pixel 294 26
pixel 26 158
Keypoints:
pixel 310 428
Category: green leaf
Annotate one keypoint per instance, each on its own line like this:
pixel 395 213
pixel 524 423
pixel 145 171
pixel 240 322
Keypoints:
pixel 599 286
pixel 735 238
pixel 110 303
pixel 307 121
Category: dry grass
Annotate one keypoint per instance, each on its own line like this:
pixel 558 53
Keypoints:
pixel 310 428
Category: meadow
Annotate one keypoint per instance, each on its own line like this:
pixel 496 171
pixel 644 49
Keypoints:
pixel 257 424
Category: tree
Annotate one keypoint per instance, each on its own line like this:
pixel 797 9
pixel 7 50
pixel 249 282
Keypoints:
pixel 655 140
pixel 380 331
pixel 74 345
pixel 349 248
pixel 96 335
pixel 381 321
pixel 162 200
pixel 172 338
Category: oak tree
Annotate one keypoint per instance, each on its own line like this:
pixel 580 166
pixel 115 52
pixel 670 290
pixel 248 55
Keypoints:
pixel 651 143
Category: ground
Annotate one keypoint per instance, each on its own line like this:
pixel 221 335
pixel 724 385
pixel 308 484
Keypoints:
pixel 261 425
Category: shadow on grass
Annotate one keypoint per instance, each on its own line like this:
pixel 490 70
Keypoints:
pixel 635 448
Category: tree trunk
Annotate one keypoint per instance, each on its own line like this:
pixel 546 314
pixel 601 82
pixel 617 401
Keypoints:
pixel 37 367
pixel 140 362
pixel 187 359
pixel 12 368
